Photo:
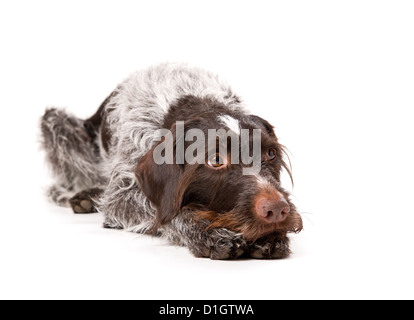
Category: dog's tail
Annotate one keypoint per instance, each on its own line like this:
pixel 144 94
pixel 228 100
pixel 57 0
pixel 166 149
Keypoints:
pixel 72 152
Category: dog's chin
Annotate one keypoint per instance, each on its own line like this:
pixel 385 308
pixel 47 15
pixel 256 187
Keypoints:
pixel 251 228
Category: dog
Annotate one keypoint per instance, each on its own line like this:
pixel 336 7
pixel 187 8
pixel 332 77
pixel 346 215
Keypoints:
pixel 107 164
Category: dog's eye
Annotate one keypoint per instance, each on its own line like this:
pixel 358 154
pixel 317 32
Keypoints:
pixel 215 161
pixel 270 154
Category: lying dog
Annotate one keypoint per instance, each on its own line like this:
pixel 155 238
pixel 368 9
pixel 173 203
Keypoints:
pixel 108 163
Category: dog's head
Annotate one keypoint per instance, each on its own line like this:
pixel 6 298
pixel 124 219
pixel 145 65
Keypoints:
pixel 216 189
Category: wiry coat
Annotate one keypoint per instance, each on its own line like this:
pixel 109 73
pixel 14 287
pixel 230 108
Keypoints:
pixel 102 155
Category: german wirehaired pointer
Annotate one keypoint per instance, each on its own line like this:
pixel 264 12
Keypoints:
pixel 107 164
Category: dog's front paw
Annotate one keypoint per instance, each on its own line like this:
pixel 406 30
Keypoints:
pixel 227 249
pixel 266 249
pixel 220 245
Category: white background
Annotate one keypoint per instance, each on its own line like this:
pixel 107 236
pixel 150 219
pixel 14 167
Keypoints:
pixel 336 78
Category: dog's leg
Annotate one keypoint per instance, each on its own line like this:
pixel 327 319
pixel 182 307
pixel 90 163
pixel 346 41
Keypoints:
pixel 216 244
pixel 60 194
pixel 85 201
pixel 126 207
pixel 72 153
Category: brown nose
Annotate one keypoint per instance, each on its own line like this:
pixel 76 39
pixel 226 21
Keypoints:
pixel 272 210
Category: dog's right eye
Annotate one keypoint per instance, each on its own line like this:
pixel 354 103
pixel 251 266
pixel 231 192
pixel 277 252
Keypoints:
pixel 270 154
pixel 215 161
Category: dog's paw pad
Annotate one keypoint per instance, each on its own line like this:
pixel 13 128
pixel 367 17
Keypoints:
pixel 84 201
pixel 87 205
pixel 82 206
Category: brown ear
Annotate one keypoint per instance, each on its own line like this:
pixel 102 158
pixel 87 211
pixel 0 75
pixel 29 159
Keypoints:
pixel 159 184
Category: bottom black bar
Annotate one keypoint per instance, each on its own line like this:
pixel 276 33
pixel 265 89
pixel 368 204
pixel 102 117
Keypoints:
pixel 207 309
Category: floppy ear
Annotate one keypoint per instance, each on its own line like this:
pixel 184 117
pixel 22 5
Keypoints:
pixel 159 184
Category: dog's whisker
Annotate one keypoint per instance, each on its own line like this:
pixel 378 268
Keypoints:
pixel 308 219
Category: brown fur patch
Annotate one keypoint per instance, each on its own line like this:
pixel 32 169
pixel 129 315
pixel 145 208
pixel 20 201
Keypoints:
pixel 251 230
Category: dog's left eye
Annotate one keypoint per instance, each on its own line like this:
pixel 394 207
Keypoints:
pixel 270 154
pixel 215 161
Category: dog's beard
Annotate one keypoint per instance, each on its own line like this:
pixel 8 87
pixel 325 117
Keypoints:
pixel 251 228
